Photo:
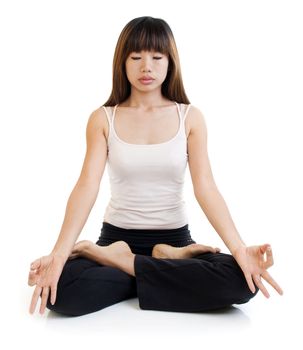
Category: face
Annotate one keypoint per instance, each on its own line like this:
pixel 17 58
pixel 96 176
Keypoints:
pixel 146 70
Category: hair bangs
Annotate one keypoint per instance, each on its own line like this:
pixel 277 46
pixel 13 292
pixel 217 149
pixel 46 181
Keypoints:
pixel 153 35
pixel 148 37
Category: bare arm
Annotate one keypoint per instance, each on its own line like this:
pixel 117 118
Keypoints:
pixel 45 271
pixel 206 192
pixel 250 259
pixel 84 194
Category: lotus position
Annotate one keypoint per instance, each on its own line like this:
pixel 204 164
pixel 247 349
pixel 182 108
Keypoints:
pixel 147 133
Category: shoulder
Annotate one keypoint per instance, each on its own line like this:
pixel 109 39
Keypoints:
pixel 97 120
pixel 97 117
pixel 195 119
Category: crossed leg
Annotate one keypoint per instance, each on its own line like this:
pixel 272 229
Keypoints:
pixel 119 254
pixel 170 280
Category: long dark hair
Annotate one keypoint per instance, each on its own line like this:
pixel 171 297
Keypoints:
pixel 150 34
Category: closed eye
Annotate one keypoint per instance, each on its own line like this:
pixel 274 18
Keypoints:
pixel 138 58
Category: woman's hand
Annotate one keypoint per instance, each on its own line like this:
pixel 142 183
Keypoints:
pixel 254 265
pixel 45 273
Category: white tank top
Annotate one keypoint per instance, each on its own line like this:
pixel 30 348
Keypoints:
pixel 147 180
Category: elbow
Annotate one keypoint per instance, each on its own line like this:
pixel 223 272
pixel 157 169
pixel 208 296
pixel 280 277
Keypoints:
pixel 91 185
pixel 204 188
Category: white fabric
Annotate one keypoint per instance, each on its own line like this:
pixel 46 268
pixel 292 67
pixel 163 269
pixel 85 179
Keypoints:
pixel 147 180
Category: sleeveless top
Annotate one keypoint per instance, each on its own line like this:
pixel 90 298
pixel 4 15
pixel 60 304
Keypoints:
pixel 146 180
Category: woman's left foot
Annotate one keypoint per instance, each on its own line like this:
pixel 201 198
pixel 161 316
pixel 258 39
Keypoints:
pixel 166 251
pixel 117 254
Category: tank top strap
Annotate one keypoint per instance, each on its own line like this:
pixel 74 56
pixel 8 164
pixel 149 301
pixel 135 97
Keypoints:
pixel 184 110
pixel 109 111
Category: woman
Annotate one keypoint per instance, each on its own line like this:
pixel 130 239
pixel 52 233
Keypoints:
pixel 147 132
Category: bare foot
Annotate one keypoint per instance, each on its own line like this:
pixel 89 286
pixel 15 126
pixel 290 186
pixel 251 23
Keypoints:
pixel 166 251
pixel 117 254
pixel 80 248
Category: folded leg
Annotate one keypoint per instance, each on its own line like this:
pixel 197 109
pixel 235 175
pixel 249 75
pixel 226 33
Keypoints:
pixel 86 286
pixel 207 281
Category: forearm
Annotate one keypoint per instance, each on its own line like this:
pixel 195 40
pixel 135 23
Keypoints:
pixel 79 205
pixel 213 205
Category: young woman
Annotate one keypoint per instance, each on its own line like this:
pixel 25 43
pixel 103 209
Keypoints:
pixel 147 132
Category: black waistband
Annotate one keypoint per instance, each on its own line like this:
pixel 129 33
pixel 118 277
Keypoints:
pixel 145 238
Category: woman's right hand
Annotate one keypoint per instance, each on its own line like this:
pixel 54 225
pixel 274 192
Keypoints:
pixel 45 273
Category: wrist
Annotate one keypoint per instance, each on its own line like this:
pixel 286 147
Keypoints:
pixel 60 255
pixel 235 249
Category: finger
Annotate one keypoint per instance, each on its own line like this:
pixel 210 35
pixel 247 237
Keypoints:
pixel 272 282
pixel 34 300
pixel 32 278
pixel 202 248
pixel 269 258
pixel 35 264
pixel 264 247
pixel 53 293
pixel 72 256
pixel 260 285
pixel 250 282
pixel 210 249
pixel 44 298
pixel 216 249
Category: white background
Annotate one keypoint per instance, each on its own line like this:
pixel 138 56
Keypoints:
pixel 242 66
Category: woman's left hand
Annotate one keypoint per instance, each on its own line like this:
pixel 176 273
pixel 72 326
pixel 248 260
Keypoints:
pixel 254 266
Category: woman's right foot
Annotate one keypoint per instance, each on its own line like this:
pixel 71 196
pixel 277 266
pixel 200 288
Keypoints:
pixel 80 248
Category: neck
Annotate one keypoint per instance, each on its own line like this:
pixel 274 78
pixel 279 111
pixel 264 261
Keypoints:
pixel 145 100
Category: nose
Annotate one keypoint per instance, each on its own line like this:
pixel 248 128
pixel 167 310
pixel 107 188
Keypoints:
pixel 145 69
pixel 146 65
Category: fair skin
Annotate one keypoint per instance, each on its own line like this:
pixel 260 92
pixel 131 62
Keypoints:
pixel 147 107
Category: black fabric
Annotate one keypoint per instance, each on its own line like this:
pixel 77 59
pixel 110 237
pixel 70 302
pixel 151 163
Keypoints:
pixel 205 282
pixel 143 241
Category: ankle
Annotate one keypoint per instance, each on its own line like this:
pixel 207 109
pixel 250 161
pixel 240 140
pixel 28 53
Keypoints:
pixel 84 247
pixel 128 264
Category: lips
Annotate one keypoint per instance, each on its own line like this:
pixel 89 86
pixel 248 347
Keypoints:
pixel 146 77
pixel 146 80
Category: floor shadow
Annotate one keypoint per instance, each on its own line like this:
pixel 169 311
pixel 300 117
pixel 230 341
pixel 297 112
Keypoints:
pixel 127 316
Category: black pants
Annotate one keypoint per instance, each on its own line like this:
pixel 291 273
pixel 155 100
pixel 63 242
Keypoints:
pixel 205 282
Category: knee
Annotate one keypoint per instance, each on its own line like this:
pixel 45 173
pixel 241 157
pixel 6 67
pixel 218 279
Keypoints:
pixel 64 311
pixel 65 303
pixel 245 294
pixel 62 306
pixel 68 296
pixel 242 291
pixel 65 307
